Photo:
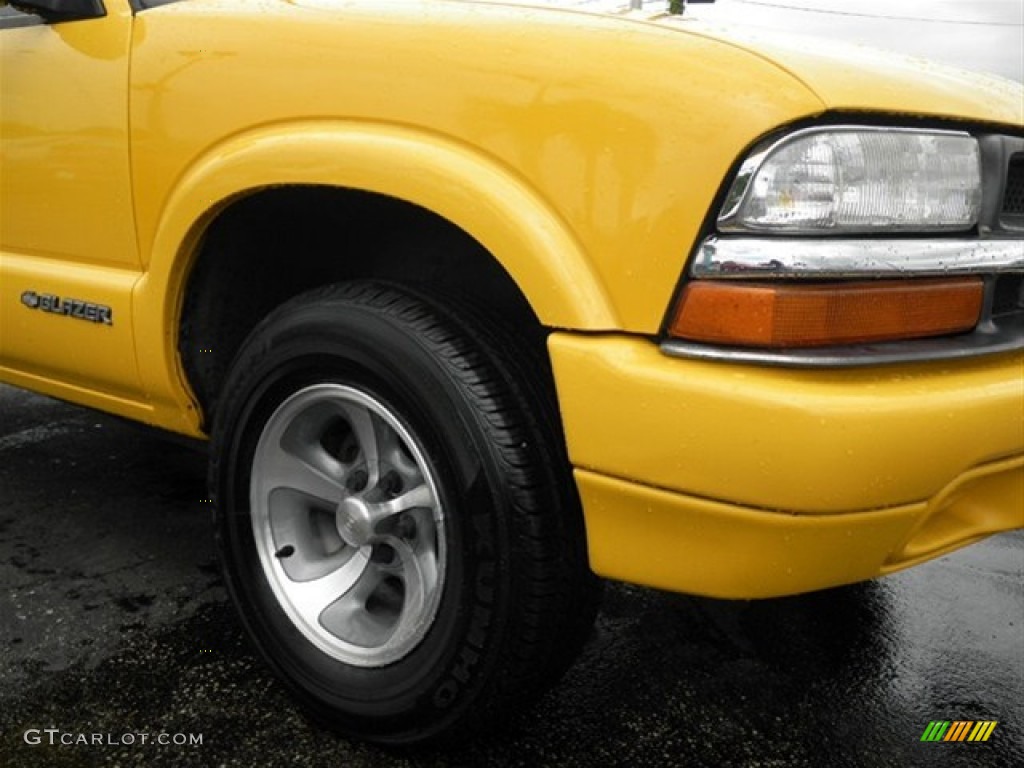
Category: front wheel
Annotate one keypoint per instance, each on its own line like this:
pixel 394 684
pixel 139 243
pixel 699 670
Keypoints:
pixel 395 516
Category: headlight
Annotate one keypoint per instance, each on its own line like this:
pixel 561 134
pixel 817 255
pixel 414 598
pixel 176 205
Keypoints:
pixel 847 235
pixel 851 179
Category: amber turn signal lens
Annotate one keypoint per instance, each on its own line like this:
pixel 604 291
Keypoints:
pixel 788 315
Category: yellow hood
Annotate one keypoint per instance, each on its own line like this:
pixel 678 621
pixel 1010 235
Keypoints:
pixel 856 78
pixel 845 77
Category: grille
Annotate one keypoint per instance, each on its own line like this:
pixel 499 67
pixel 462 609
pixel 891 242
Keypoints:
pixel 1008 295
pixel 1013 198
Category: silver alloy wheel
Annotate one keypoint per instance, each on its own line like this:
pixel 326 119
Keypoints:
pixel 348 524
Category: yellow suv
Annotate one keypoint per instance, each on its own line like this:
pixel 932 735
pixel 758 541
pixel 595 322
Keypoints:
pixel 475 300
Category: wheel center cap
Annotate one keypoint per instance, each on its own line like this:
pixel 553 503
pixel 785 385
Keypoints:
pixel 355 524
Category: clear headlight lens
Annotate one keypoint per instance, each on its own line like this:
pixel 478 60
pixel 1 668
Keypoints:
pixel 848 179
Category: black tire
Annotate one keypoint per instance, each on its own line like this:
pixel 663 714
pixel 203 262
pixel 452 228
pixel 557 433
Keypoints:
pixel 459 611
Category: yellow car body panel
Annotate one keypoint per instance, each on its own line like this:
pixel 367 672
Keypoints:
pixel 585 153
pixel 484 198
pixel 850 78
pixel 811 441
pixel 626 180
pixel 65 154
pixel 743 481
pixel 89 357
pixel 685 543
pixel 65 167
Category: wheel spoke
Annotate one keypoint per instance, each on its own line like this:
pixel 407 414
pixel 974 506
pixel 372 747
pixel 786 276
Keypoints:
pixel 311 598
pixel 405 465
pixel 368 435
pixel 286 470
pixel 418 571
pixel 418 497
pixel 349 618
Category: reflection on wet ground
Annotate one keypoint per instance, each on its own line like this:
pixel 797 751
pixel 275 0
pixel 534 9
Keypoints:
pixel 113 621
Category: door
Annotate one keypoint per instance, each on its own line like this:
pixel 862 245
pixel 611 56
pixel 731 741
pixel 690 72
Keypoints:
pixel 68 253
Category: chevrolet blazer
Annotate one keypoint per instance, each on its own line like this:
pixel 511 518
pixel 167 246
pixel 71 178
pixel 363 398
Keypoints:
pixel 476 302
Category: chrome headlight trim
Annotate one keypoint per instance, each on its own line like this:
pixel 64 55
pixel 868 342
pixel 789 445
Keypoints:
pixel 820 258
pixel 990 338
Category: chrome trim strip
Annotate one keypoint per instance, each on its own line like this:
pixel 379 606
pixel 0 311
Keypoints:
pixel 1007 336
pixel 728 218
pixel 825 258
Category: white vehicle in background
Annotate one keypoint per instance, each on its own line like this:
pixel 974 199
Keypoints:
pixel 980 35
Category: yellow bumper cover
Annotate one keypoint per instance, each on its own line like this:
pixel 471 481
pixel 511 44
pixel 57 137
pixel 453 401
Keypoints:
pixel 739 481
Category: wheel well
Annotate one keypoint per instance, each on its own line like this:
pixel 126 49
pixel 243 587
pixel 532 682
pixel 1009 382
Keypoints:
pixel 278 243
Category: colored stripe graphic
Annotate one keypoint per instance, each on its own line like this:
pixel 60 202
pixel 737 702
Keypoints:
pixel 935 730
pixel 954 730
pixel 959 730
pixel 979 728
pixel 988 731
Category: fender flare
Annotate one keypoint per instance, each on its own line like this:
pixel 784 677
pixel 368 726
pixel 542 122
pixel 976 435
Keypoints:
pixel 486 199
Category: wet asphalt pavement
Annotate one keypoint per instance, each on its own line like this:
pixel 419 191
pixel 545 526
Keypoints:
pixel 114 623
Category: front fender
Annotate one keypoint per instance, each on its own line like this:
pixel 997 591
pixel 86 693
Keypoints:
pixel 487 200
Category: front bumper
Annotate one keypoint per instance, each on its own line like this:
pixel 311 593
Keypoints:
pixel 742 481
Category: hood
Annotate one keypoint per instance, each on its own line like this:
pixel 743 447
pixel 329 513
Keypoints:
pixel 845 77
pixel 853 78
